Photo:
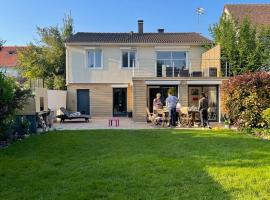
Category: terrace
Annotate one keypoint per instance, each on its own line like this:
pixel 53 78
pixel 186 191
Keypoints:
pixel 177 63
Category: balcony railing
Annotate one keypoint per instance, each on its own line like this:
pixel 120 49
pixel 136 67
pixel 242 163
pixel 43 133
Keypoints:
pixel 190 68
pixel 166 71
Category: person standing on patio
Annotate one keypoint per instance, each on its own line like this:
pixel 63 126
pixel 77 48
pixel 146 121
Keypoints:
pixel 203 107
pixel 171 103
pixel 157 104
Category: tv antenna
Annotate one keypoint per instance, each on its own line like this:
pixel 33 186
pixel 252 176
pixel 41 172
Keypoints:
pixel 199 12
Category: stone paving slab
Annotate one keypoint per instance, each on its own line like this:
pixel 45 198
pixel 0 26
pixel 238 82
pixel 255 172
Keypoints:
pixel 103 123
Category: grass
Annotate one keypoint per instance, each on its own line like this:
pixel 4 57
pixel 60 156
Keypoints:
pixel 136 164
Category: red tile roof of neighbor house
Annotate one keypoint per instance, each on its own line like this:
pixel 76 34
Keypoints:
pixel 259 14
pixel 8 56
pixel 90 37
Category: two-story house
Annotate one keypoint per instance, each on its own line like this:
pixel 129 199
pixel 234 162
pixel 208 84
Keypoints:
pixel 112 74
pixel 258 14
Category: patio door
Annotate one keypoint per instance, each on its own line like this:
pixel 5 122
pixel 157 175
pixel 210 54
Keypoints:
pixel 119 101
pixel 83 102
pixel 211 91
pixel 163 90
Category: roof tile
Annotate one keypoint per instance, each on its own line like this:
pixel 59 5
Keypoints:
pixel 91 37
pixel 259 14
pixel 8 56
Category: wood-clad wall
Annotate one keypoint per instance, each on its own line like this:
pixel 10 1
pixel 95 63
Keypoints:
pixel 101 98
pixel 139 100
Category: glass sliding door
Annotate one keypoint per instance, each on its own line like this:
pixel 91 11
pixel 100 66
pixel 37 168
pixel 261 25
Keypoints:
pixel 171 63
pixel 163 90
pixel 194 93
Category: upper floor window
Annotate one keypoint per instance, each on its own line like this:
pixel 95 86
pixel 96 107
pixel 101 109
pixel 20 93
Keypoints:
pixel 128 59
pixel 177 59
pixel 95 58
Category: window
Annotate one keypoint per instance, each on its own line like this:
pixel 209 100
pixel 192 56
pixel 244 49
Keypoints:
pixel 211 92
pixel 128 59
pixel 175 59
pixel 95 58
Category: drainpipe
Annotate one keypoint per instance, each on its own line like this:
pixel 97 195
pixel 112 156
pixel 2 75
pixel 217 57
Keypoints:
pixel 133 68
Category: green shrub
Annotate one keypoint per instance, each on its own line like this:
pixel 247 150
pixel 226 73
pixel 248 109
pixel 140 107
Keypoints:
pixel 12 98
pixel 266 116
pixel 247 96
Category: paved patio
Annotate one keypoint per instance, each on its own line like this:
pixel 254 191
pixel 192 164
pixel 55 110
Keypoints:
pixel 102 123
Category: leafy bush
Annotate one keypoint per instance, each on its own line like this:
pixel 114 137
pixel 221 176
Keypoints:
pixel 266 116
pixel 12 98
pixel 247 96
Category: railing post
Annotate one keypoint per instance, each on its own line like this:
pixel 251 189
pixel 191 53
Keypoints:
pixel 173 69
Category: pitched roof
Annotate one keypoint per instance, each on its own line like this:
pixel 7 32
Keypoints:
pixel 259 14
pixel 8 56
pixel 131 37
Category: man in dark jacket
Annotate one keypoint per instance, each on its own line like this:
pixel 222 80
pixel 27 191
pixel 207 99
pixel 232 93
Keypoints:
pixel 203 109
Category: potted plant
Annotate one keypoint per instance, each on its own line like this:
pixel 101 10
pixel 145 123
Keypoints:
pixel 227 122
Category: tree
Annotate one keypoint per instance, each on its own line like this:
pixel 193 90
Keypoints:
pixel 245 47
pixel 2 42
pixel 12 98
pixel 225 34
pixel 264 48
pixel 46 59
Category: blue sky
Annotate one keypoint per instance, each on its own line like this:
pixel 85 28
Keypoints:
pixel 19 18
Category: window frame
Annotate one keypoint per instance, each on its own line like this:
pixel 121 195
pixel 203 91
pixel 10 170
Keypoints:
pixel 128 51
pixel 87 59
pixel 171 57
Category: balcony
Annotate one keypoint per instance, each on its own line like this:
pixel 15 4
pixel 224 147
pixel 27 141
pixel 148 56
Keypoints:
pixel 167 71
pixel 205 68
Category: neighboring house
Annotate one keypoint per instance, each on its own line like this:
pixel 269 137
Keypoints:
pixel 8 60
pixel 259 14
pixel 111 74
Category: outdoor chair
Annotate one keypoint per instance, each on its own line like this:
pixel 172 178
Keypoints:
pixel 197 74
pixel 72 115
pixel 185 117
pixel 212 72
pixel 153 118
pixel 184 73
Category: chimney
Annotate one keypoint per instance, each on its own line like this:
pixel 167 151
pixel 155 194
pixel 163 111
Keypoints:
pixel 160 30
pixel 140 26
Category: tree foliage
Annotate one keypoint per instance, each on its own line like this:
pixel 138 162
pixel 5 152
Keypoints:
pixel 247 96
pixel 46 58
pixel 244 46
pixel 12 98
pixel 2 42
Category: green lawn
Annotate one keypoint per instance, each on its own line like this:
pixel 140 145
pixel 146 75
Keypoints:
pixel 136 164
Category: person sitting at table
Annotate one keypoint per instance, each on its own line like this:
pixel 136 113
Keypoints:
pixel 157 104
pixel 171 103
pixel 203 109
